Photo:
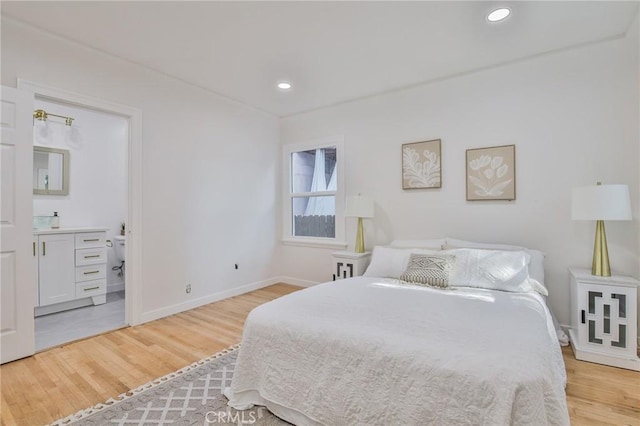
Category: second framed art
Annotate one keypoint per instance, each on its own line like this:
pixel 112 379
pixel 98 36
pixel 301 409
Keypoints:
pixel 421 165
pixel 491 173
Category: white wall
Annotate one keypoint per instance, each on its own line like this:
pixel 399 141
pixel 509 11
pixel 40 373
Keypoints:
pixel 98 175
pixel 573 117
pixel 209 173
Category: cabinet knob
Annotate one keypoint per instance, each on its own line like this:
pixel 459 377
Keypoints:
pixel 582 313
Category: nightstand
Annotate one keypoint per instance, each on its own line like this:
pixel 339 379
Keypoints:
pixel 603 319
pixel 347 264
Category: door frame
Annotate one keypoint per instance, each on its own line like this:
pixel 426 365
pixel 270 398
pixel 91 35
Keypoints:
pixel 133 271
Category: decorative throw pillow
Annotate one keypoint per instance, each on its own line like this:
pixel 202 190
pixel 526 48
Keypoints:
pixel 432 270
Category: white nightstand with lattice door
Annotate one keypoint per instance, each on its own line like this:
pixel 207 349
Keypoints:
pixel 603 319
pixel 347 264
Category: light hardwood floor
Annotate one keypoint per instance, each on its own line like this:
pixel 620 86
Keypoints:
pixel 61 381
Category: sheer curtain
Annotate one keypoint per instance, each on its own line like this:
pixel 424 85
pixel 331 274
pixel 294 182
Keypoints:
pixel 322 206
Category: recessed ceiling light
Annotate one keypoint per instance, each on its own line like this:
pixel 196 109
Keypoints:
pixel 284 85
pixel 498 14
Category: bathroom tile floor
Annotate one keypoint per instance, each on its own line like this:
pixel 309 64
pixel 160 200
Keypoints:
pixel 63 327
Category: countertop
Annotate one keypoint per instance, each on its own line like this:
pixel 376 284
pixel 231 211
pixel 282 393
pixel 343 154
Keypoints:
pixel 68 230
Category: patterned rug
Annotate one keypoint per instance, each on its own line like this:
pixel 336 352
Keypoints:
pixel 190 396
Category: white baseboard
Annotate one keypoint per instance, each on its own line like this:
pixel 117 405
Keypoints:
pixel 296 281
pixel 195 303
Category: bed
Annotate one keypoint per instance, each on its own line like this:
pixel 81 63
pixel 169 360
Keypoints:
pixel 375 350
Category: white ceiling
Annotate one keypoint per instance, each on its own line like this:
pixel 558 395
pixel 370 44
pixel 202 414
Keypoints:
pixel 331 51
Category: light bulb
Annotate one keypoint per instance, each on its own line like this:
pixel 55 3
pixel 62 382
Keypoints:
pixel 41 132
pixel 73 137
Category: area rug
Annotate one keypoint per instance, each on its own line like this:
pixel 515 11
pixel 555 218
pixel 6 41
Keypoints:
pixel 190 396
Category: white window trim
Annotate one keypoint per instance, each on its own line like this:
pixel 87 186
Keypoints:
pixel 339 241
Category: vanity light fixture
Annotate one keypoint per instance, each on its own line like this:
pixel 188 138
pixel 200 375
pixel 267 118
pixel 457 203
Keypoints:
pixel 42 133
pixel 498 15
pixel 43 115
pixel 284 85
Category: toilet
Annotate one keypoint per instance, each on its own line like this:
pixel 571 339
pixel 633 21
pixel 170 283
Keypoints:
pixel 120 247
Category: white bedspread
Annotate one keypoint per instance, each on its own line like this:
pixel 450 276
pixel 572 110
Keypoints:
pixel 367 351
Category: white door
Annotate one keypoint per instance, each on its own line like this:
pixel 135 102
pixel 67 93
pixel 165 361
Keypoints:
pixel 17 281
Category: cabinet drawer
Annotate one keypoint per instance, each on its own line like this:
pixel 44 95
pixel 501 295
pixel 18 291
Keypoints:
pixel 90 239
pixel 91 256
pixel 91 272
pixel 91 288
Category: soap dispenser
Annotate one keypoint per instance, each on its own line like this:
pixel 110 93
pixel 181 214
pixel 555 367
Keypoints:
pixel 55 221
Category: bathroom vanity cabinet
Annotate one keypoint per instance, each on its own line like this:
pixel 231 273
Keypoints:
pixel 56 271
pixel 71 268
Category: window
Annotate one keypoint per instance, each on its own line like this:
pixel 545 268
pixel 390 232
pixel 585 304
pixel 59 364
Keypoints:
pixel 313 193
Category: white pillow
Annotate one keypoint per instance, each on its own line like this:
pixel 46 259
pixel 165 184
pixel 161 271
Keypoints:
pixel 538 286
pixel 391 262
pixel 453 243
pixel 427 244
pixel 536 264
pixel 491 269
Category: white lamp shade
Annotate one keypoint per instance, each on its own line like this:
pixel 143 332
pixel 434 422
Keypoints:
pixel 601 202
pixel 359 206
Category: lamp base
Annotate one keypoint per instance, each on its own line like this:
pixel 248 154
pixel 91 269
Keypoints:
pixel 600 265
pixel 360 237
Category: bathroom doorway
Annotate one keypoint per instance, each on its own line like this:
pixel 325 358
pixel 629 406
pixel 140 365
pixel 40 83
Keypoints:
pixel 79 297
pixel 94 217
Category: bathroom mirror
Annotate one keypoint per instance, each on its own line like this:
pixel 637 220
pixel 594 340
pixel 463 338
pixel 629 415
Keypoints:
pixel 50 171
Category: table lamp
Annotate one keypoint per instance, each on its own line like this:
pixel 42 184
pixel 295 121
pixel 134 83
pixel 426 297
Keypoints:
pixel 601 202
pixel 361 207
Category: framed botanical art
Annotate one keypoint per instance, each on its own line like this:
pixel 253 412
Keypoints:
pixel 421 165
pixel 491 173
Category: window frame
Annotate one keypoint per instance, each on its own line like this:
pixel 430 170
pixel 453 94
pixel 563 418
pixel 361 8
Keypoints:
pixel 288 238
